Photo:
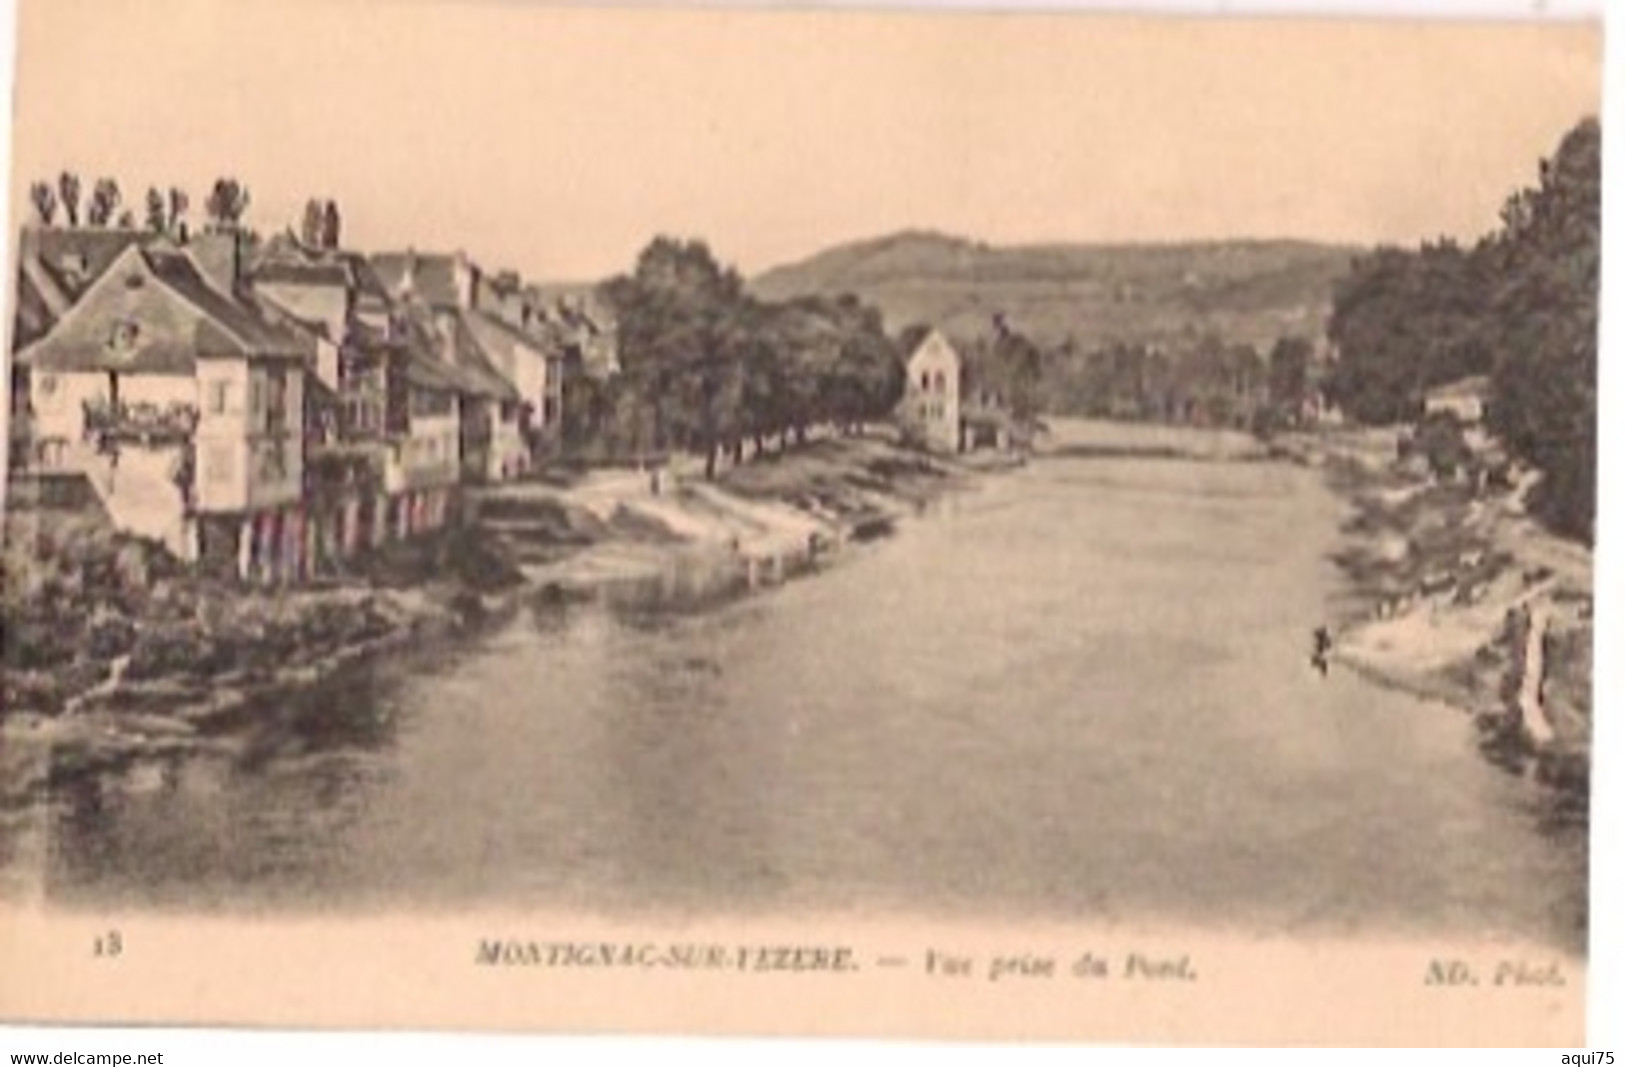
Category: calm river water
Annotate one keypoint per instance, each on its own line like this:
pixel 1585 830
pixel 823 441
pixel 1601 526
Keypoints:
pixel 1079 691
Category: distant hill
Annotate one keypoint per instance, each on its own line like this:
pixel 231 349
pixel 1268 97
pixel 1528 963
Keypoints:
pixel 1253 291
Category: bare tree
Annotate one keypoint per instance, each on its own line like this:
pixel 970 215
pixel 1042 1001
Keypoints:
pixel 43 196
pixel 310 228
pixel 157 219
pixel 331 225
pixel 68 189
pixel 104 202
pixel 227 204
pixel 178 203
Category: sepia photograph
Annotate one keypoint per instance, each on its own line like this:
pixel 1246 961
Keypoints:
pixel 924 524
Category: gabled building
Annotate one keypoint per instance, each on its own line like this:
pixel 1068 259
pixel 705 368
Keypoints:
pixel 55 266
pixel 385 446
pixel 481 325
pixel 165 387
pixel 929 412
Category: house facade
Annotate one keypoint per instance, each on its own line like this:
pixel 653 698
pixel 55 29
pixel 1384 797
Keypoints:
pixel 930 409
pixel 271 408
pixel 1466 399
pixel 180 405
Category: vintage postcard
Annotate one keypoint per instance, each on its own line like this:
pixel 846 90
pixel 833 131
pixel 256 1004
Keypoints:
pixel 724 521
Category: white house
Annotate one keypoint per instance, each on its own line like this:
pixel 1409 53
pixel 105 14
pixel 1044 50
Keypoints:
pixel 181 405
pixel 930 406
pixel 1464 398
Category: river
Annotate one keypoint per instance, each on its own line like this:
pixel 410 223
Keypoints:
pixel 1079 692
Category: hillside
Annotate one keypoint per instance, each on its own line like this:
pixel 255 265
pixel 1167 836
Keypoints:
pixel 1251 291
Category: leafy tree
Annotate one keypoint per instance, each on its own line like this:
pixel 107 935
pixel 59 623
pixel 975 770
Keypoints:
pixel 1543 314
pixel 227 204
pixel 1405 321
pixel 707 367
pixel 1289 375
pixel 43 197
pixel 310 228
pixel 157 218
pixel 68 189
pixel 179 202
pixel 332 225
pixel 104 202
pixel 670 313
pixel 1440 438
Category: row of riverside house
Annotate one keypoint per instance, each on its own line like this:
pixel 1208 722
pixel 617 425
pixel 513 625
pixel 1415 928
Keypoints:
pixel 269 409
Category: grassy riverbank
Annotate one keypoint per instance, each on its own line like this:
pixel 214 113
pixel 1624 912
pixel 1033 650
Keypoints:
pixel 1444 577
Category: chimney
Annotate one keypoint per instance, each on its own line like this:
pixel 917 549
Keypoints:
pixel 466 278
pixel 446 326
pixel 218 257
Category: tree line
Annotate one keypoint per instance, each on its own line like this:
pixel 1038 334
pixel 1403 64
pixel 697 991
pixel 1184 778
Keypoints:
pixel 709 368
pixel 164 210
pixel 1204 380
pixel 1519 306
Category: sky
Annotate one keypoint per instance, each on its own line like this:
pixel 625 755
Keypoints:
pixel 558 140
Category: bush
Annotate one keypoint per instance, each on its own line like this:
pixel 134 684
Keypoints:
pixel 1441 440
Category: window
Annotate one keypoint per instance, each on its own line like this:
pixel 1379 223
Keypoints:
pixel 123 335
pixel 219 397
pixel 256 397
pixel 47 384
pixel 276 407
pixel 219 465
pixel 942 382
pixel 925 381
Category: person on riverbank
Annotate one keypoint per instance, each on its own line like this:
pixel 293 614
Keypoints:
pixel 1319 659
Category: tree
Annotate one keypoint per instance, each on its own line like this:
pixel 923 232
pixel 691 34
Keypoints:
pixel 705 366
pixel 179 202
pixel 332 225
pixel 671 313
pixel 1405 321
pixel 227 204
pixel 1288 385
pixel 1543 316
pixel 157 219
pixel 43 197
pixel 68 189
pixel 310 227
pixel 104 202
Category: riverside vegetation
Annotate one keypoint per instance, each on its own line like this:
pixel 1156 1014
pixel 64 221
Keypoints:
pixel 114 651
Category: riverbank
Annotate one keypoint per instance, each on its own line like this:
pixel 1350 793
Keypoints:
pixel 674 536
pixel 1456 594
pixel 114 652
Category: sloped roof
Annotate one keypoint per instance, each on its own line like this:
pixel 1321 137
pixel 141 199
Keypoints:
pixel 251 330
pixel 57 265
pixel 912 337
pixel 284 259
pixel 1474 386
pixel 33 315
pixel 433 275
pixel 489 330
pixel 167 341
pixel 475 363
pixel 58 249
pixel 467 371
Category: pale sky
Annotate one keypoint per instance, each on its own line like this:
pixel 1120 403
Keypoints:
pixel 559 140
